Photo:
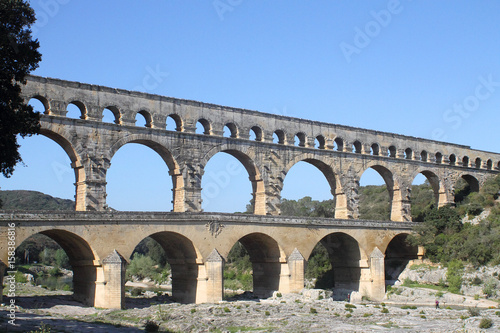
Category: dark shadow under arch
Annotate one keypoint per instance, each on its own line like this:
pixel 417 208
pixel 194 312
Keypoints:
pixel 81 258
pixel 343 255
pixel 397 256
pixel 265 256
pixel 182 257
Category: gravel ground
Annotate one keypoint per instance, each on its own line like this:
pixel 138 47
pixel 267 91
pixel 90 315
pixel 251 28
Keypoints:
pixel 312 311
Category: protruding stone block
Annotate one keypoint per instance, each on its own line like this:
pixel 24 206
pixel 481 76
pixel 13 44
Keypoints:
pixel 214 267
pixel 110 293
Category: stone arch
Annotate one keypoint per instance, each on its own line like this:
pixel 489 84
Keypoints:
pixel 301 137
pixel 438 187
pixel 375 149
pixel 281 135
pixel 258 132
pixel 466 161
pixel 175 171
pixel 321 142
pixel 424 156
pixel 247 159
pixel 147 117
pixel 179 124
pixel 439 158
pixel 207 127
pixel 80 106
pixel 266 257
pixel 489 164
pixel 345 254
pixel 357 147
pixel 452 159
pixel 392 151
pixel 341 206
pixel 339 142
pixel 472 181
pixel 398 254
pixel 81 258
pixel 76 164
pixel 233 129
pixel 477 163
pixel 116 113
pixel 393 188
pixel 183 258
pixel 408 154
pixel 45 102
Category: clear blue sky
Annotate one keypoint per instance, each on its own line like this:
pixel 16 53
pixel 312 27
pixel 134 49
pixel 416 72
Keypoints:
pixel 396 66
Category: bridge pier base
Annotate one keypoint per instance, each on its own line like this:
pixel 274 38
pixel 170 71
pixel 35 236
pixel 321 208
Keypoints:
pixel 296 268
pixel 377 273
pixel 212 290
pixel 110 282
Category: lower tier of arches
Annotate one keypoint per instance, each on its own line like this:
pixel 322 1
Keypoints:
pixel 364 256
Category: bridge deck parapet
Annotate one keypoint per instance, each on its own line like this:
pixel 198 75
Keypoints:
pixel 69 217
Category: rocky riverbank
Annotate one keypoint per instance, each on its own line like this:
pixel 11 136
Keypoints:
pixel 310 311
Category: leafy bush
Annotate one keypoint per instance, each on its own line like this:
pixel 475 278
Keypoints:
pixel 136 292
pixel 476 281
pixel 20 277
pixel 474 312
pixel 42 329
pixel 485 323
pixel 141 266
pixel 385 310
pixel 55 271
pixel 490 287
pixel 454 276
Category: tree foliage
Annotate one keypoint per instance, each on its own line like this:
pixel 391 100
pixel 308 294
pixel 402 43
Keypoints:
pixel 446 238
pixel 19 56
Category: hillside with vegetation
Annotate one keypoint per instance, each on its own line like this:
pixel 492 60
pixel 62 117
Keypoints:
pixel 32 200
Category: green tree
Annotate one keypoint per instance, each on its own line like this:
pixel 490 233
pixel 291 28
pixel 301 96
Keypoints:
pixel 19 56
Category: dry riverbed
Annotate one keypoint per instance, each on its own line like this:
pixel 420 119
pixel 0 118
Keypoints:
pixel 312 311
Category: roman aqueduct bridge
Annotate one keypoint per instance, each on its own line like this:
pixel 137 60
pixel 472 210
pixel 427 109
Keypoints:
pixel 100 241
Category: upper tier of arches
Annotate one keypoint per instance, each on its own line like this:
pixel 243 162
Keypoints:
pixel 157 111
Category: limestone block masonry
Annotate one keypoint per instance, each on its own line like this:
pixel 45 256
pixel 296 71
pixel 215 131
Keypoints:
pixel 99 242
